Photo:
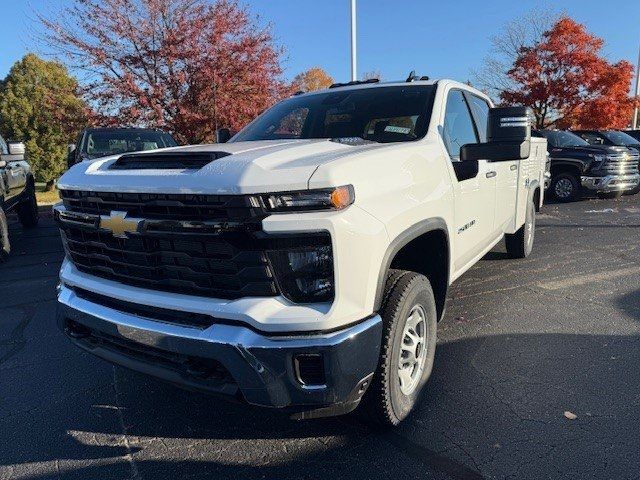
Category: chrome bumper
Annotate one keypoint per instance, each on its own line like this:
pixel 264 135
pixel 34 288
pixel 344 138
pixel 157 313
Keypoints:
pixel 611 183
pixel 261 368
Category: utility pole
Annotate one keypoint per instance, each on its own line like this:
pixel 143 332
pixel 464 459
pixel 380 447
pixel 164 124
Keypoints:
pixel 634 121
pixel 354 71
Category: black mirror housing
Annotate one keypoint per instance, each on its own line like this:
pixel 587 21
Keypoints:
pixel 508 137
pixel 223 135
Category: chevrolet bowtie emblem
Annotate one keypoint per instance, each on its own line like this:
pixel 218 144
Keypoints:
pixel 119 224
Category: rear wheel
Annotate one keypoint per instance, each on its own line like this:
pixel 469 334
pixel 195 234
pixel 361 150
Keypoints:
pixel 520 244
pixel 565 187
pixel 28 209
pixel 5 247
pixel 408 348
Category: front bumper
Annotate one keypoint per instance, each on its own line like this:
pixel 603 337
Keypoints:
pixel 611 183
pixel 231 360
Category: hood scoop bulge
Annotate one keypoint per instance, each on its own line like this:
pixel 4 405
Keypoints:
pixel 166 160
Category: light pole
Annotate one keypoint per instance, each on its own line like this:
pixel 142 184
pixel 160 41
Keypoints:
pixel 634 121
pixel 354 72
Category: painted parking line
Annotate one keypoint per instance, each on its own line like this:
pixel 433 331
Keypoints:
pixel 590 278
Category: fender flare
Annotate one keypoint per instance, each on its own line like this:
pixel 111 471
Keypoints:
pixel 532 189
pixel 400 241
pixel 580 165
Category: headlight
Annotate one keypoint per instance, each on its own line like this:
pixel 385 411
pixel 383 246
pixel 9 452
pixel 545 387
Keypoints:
pixel 309 200
pixel 305 274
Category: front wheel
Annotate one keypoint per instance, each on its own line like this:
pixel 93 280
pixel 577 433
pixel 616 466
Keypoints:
pixel 408 347
pixel 28 210
pixel 520 244
pixel 5 247
pixel 565 187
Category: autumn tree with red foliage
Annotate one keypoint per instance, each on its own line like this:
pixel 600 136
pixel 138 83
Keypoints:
pixel 188 66
pixel 568 84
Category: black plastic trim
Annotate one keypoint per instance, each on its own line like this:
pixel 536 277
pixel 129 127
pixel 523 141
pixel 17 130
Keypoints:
pixel 413 232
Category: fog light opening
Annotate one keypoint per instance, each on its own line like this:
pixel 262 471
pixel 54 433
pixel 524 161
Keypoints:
pixel 309 369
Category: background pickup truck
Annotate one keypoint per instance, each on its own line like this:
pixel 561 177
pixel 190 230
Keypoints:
pixel 102 142
pixel 305 264
pixel 17 191
pixel 577 165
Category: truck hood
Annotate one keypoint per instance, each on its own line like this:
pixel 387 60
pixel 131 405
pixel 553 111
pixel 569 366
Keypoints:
pixel 251 167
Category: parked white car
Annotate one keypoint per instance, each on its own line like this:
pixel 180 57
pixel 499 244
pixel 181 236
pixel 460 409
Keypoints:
pixel 304 264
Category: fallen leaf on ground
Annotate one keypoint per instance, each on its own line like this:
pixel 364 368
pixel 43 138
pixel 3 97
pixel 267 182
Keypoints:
pixel 570 415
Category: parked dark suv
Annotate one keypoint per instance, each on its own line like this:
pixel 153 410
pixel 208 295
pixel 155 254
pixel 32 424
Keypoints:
pixel 577 165
pixel 102 142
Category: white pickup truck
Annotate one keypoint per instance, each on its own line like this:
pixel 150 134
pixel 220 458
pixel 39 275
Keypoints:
pixel 304 264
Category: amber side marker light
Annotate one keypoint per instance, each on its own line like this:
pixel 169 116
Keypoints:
pixel 342 197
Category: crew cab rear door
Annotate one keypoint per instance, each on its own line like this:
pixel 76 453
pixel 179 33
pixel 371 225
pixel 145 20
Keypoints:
pixel 475 195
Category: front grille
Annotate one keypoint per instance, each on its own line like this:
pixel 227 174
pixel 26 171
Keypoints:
pixel 621 164
pixel 203 245
pixel 165 206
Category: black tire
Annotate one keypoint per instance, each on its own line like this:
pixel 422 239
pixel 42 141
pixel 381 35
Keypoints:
pixel 5 246
pixel 565 187
pixel 405 293
pixel 28 209
pixel 520 244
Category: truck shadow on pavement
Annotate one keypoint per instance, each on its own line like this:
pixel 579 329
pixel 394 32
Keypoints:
pixel 494 407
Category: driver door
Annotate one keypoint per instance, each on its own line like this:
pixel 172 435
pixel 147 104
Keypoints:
pixel 474 198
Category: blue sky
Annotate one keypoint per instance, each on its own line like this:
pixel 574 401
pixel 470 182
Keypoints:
pixel 436 38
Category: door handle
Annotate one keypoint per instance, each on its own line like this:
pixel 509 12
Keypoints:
pixel 514 167
pixel 491 174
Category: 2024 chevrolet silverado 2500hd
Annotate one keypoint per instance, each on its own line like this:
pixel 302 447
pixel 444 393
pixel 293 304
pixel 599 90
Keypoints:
pixel 17 191
pixel 305 263
pixel 578 165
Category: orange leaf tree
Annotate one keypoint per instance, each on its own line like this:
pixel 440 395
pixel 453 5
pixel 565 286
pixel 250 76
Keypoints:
pixel 567 82
pixel 189 66
pixel 313 79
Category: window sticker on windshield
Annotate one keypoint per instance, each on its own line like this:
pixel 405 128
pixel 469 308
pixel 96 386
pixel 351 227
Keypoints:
pixel 394 129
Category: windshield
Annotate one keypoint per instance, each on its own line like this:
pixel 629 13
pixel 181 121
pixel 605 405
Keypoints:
pixel 102 143
pixel 564 139
pixel 620 138
pixel 380 114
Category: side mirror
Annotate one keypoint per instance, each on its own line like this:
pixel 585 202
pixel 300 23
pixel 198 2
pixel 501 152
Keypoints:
pixel 16 148
pixel 17 152
pixel 508 137
pixel 71 155
pixel 223 135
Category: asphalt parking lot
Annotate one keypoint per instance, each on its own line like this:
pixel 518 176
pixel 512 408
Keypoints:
pixel 522 343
